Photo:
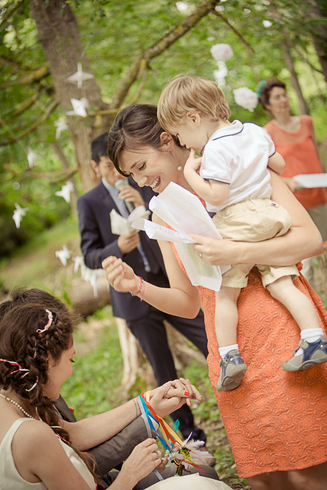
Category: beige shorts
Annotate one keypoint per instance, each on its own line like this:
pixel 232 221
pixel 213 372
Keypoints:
pixel 254 220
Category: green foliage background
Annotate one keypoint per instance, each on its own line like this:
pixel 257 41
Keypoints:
pixel 113 33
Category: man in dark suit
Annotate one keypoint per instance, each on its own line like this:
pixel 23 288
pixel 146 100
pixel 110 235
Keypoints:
pixel 144 256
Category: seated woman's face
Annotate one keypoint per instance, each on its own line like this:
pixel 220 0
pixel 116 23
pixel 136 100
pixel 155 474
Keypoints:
pixel 58 372
pixel 150 167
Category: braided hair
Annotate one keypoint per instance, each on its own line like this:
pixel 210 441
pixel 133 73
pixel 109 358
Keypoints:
pixel 25 347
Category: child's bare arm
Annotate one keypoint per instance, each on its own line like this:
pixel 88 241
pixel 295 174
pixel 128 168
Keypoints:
pixel 210 190
pixel 277 163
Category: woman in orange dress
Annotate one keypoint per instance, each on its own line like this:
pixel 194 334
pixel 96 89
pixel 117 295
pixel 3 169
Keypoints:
pixel 276 421
pixel 295 140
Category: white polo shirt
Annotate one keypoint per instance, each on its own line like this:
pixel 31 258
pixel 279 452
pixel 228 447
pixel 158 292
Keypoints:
pixel 238 155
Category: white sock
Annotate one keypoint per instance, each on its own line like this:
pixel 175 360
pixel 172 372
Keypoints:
pixel 310 335
pixel 224 350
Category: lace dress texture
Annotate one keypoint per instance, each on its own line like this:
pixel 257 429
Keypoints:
pixel 276 420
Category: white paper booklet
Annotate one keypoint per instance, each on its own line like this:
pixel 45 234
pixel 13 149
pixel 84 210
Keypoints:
pixel 120 225
pixel 184 212
pixel 311 181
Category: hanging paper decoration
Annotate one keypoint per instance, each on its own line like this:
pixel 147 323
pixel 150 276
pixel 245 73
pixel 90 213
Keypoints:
pixel 246 98
pixel 31 157
pixel 221 52
pixel 65 191
pixel 18 214
pixel 92 276
pixel 61 126
pixel 79 76
pixel 63 255
pixel 79 263
pixel 79 107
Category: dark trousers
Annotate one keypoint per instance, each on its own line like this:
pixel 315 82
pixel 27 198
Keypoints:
pixel 151 334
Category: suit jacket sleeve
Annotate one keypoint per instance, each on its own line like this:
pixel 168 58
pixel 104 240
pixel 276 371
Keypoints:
pixel 114 451
pixel 93 250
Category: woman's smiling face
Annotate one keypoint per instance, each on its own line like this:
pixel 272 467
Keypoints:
pixel 150 167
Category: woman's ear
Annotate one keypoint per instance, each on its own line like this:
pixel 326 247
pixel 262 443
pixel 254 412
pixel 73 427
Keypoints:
pixel 167 141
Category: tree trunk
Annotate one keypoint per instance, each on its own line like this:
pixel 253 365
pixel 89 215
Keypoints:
pixel 294 78
pixel 65 165
pixel 58 33
pixel 59 37
pixel 319 13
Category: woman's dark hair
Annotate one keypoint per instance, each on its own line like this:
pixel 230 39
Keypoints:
pixel 266 90
pixel 29 350
pixel 134 127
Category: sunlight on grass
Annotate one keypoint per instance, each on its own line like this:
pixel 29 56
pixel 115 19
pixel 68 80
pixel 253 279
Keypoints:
pixel 95 384
pixel 32 263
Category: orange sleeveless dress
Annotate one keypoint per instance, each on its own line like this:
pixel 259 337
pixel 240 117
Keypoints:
pixel 300 156
pixel 275 421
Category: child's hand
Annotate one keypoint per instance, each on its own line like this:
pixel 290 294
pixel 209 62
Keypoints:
pixel 193 163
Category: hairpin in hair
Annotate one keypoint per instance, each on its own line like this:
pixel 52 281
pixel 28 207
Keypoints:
pixel 13 363
pixel 260 86
pixel 48 325
pixel 32 387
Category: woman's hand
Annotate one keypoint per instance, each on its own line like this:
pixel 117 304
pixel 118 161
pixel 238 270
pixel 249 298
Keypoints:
pixel 213 251
pixel 293 185
pixel 172 395
pixel 120 275
pixel 144 458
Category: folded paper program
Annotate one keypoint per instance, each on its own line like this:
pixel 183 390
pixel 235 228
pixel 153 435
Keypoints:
pixel 183 212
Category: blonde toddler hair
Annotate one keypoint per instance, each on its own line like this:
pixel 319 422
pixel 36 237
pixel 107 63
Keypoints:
pixel 187 93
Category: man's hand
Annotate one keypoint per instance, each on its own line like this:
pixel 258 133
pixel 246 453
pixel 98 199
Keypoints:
pixel 127 242
pixel 129 194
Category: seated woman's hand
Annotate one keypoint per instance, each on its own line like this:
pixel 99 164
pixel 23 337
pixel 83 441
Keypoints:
pixel 144 458
pixel 120 275
pixel 172 395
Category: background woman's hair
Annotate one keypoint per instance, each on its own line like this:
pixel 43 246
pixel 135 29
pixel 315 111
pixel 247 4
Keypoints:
pixel 134 128
pixel 20 318
pixel 266 90
pixel 185 94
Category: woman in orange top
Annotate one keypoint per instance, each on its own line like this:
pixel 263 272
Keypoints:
pixel 295 140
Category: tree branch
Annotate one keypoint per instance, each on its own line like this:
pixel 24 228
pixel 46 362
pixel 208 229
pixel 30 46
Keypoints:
pixel 30 172
pixel 186 25
pixel 142 73
pixel 26 105
pixel 9 14
pixel 30 78
pixel 238 34
pixel 40 120
pixel 307 61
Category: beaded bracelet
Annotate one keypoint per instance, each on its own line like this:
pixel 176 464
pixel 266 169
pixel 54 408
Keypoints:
pixel 141 288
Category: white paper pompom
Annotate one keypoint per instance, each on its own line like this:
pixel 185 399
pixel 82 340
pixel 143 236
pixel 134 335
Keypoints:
pixel 246 98
pixel 221 52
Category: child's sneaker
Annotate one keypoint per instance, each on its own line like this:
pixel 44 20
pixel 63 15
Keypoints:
pixel 313 353
pixel 232 370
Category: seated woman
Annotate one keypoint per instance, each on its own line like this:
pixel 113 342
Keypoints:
pixel 36 356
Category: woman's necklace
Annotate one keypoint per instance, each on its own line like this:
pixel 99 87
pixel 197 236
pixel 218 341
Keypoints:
pixel 17 405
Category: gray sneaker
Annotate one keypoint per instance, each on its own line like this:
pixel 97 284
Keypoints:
pixel 232 370
pixel 313 353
